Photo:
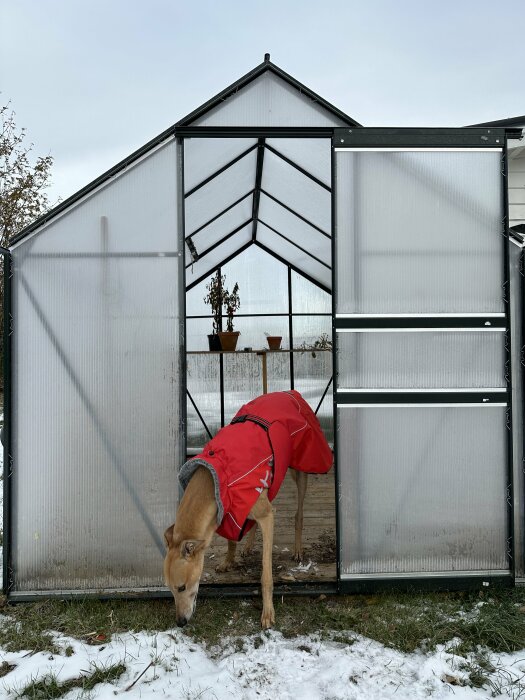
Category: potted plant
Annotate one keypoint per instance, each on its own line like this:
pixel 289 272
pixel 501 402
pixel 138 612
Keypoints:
pixel 232 303
pixel 274 341
pixel 215 297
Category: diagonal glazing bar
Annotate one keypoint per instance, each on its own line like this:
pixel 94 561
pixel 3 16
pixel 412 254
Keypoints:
pixel 219 242
pixel 220 170
pixel 199 414
pixel 217 216
pixel 289 240
pixel 292 211
pixel 299 168
pixel 257 191
pixel 90 408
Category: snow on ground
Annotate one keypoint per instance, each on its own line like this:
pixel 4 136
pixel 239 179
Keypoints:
pixel 268 666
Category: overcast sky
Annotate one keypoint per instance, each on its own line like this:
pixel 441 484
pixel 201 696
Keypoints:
pixel 93 81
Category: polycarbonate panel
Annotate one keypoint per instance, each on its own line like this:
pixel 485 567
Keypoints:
pixel 307 298
pixel 421 360
pixel 96 387
pixel 203 157
pixel 220 193
pixel 289 252
pixel 313 371
pixel 253 331
pixel 220 253
pixel 422 489
pixel 517 368
pixel 277 217
pixel 313 155
pixel 419 232
pixel 295 190
pixel 210 235
pixel 268 101
pixel 203 384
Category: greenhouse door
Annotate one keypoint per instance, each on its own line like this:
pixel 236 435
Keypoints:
pixel 97 431
pixel 421 324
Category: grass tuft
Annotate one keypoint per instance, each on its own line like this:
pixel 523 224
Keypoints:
pixel 49 687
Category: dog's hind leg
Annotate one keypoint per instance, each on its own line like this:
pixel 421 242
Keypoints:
pixel 262 512
pixel 229 560
pixel 301 481
pixel 249 542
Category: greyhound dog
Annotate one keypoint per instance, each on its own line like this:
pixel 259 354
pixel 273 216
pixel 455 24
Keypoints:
pixel 229 488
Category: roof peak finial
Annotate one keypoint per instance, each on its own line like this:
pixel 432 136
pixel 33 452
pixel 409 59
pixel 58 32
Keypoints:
pixel 266 57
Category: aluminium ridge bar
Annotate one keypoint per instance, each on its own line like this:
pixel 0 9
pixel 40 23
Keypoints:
pixel 418 329
pixel 300 132
pixel 490 314
pixel 426 138
pixel 454 390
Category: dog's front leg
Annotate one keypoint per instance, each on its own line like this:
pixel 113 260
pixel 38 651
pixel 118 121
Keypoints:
pixel 229 560
pixel 262 512
pixel 301 480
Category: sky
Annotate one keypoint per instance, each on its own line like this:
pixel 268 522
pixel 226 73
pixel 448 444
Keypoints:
pixel 93 81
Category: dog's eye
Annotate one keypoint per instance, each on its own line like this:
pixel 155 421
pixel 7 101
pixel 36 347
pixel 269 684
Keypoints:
pixel 181 589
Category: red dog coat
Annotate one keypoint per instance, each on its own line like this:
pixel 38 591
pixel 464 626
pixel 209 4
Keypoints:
pixel 266 436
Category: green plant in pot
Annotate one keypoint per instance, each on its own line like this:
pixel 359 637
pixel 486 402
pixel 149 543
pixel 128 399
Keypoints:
pixel 215 297
pixel 232 303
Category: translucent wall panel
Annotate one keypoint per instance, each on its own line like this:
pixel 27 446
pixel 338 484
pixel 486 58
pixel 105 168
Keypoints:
pixel 203 157
pixel 203 383
pixel 422 489
pixel 313 155
pixel 96 387
pixel 219 193
pixel 421 360
pixel 419 232
pixel 308 298
pixel 268 101
pixel 297 191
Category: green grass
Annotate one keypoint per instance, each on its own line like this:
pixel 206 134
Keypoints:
pixel 402 621
pixel 50 687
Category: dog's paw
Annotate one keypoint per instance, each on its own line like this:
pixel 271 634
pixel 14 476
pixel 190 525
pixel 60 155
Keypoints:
pixel 224 567
pixel 267 618
pixel 298 555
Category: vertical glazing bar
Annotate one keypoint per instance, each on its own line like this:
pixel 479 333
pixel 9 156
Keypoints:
pixel 6 436
pixel 508 362
pixel 182 360
pixel 290 326
pixel 334 354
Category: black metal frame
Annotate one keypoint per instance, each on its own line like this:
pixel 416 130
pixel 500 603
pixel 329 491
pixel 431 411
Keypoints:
pixel 7 577
pixel 379 139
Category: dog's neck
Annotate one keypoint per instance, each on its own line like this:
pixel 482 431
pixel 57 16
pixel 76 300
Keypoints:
pixel 197 511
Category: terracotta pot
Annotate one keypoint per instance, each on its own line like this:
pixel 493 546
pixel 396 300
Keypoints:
pixel 214 342
pixel 229 339
pixel 274 341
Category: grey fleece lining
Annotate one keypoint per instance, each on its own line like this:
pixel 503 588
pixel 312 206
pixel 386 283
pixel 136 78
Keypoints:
pixel 188 470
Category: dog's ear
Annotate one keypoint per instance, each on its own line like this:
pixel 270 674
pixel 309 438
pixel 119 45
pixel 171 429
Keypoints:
pixel 189 548
pixel 168 535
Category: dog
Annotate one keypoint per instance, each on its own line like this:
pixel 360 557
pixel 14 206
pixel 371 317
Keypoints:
pixel 229 486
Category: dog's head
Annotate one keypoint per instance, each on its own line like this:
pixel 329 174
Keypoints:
pixel 183 566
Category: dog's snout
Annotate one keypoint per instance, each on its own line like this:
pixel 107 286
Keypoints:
pixel 181 621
